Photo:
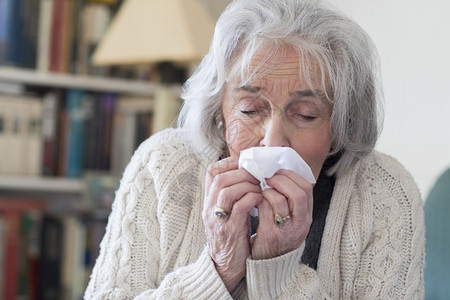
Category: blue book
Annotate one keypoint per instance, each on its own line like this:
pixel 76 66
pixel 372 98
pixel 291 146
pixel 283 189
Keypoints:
pixel 5 19
pixel 75 104
pixel 14 53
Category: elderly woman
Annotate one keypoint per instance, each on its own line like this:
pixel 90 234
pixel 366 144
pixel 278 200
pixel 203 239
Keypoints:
pixel 286 73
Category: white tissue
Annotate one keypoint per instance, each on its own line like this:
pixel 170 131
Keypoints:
pixel 264 162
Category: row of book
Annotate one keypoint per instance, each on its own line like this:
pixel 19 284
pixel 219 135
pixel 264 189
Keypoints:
pixel 43 255
pixel 54 35
pixel 68 132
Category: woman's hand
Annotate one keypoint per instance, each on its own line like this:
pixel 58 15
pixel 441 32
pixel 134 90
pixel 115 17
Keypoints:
pixel 237 192
pixel 291 196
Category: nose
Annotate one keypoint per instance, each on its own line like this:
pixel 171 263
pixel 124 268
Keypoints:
pixel 275 133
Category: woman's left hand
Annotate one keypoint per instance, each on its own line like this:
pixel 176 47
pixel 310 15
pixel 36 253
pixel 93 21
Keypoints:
pixel 291 198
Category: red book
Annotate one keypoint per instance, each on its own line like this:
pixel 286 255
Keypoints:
pixel 56 36
pixel 11 210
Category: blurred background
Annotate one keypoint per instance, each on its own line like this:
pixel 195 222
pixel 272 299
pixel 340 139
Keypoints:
pixel 84 82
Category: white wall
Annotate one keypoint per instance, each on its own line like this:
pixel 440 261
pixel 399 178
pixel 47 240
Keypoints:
pixel 413 40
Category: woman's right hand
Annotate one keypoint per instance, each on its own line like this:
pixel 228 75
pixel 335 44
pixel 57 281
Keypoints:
pixel 228 239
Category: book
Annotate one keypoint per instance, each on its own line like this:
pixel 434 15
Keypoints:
pixel 75 33
pixel 4 152
pixel 33 137
pixel 63 143
pixel 16 164
pixel 56 35
pixel 50 134
pixel 94 20
pixel 66 35
pixel 30 19
pixel 5 19
pixel 92 107
pixel 15 32
pixel 11 210
pixel 73 258
pixel 76 133
pixel 2 254
pixel 28 272
pixel 107 108
pixel 20 134
pixel 44 35
pixel 11 244
pixel 51 249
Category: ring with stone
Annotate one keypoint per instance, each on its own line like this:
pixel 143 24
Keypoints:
pixel 221 213
pixel 279 220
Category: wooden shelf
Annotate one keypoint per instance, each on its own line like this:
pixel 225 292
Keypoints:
pixel 42 184
pixel 99 84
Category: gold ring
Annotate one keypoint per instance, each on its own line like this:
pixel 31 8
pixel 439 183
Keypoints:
pixel 221 213
pixel 279 220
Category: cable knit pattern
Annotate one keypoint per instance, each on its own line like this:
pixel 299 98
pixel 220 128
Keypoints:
pixel 154 246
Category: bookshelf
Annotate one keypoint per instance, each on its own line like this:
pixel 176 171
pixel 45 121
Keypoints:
pixel 69 211
pixel 73 206
pixel 70 81
pixel 42 184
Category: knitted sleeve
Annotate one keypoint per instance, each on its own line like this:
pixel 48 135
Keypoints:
pixel 392 258
pixel 134 261
pixel 381 252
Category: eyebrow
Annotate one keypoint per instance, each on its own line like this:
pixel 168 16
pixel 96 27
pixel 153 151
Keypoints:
pixel 308 93
pixel 248 88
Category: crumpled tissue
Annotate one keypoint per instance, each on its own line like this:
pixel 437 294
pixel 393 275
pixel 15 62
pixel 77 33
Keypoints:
pixel 264 162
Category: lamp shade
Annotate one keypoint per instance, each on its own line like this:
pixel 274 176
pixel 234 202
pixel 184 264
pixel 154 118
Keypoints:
pixel 146 31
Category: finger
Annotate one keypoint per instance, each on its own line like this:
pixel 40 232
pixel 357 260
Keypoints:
pixel 228 196
pixel 225 180
pixel 219 167
pixel 295 188
pixel 241 209
pixel 265 215
pixel 277 201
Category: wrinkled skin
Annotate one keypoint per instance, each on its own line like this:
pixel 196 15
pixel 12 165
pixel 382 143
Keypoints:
pixel 277 109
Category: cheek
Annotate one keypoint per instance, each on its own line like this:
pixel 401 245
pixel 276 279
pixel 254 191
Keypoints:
pixel 314 149
pixel 239 136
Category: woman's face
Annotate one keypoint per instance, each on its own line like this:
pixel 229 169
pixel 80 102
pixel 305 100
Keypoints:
pixel 279 109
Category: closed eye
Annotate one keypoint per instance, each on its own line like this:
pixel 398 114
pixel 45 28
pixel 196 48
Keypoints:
pixel 248 112
pixel 307 117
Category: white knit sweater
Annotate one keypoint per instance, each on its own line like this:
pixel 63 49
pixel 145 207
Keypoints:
pixel 154 246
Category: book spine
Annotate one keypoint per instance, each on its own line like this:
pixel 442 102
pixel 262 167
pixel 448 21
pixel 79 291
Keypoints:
pixel 34 137
pixel 3 134
pixel 2 253
pixel 5 23
pixel 56 35
pixel 15 41
pixel 50 119
pixel 12 220
pixel 63 143
pixel 108 106
pixel 50 258
pixel 44 35
pixel 30 15
pixel 76 110
pixel 18 139
pixel 90 131
pixel 66 35
pixel 74 43
pixel 29 254
pixel 12 210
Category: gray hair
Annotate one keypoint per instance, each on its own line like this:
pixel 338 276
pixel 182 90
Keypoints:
pixel 345 54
